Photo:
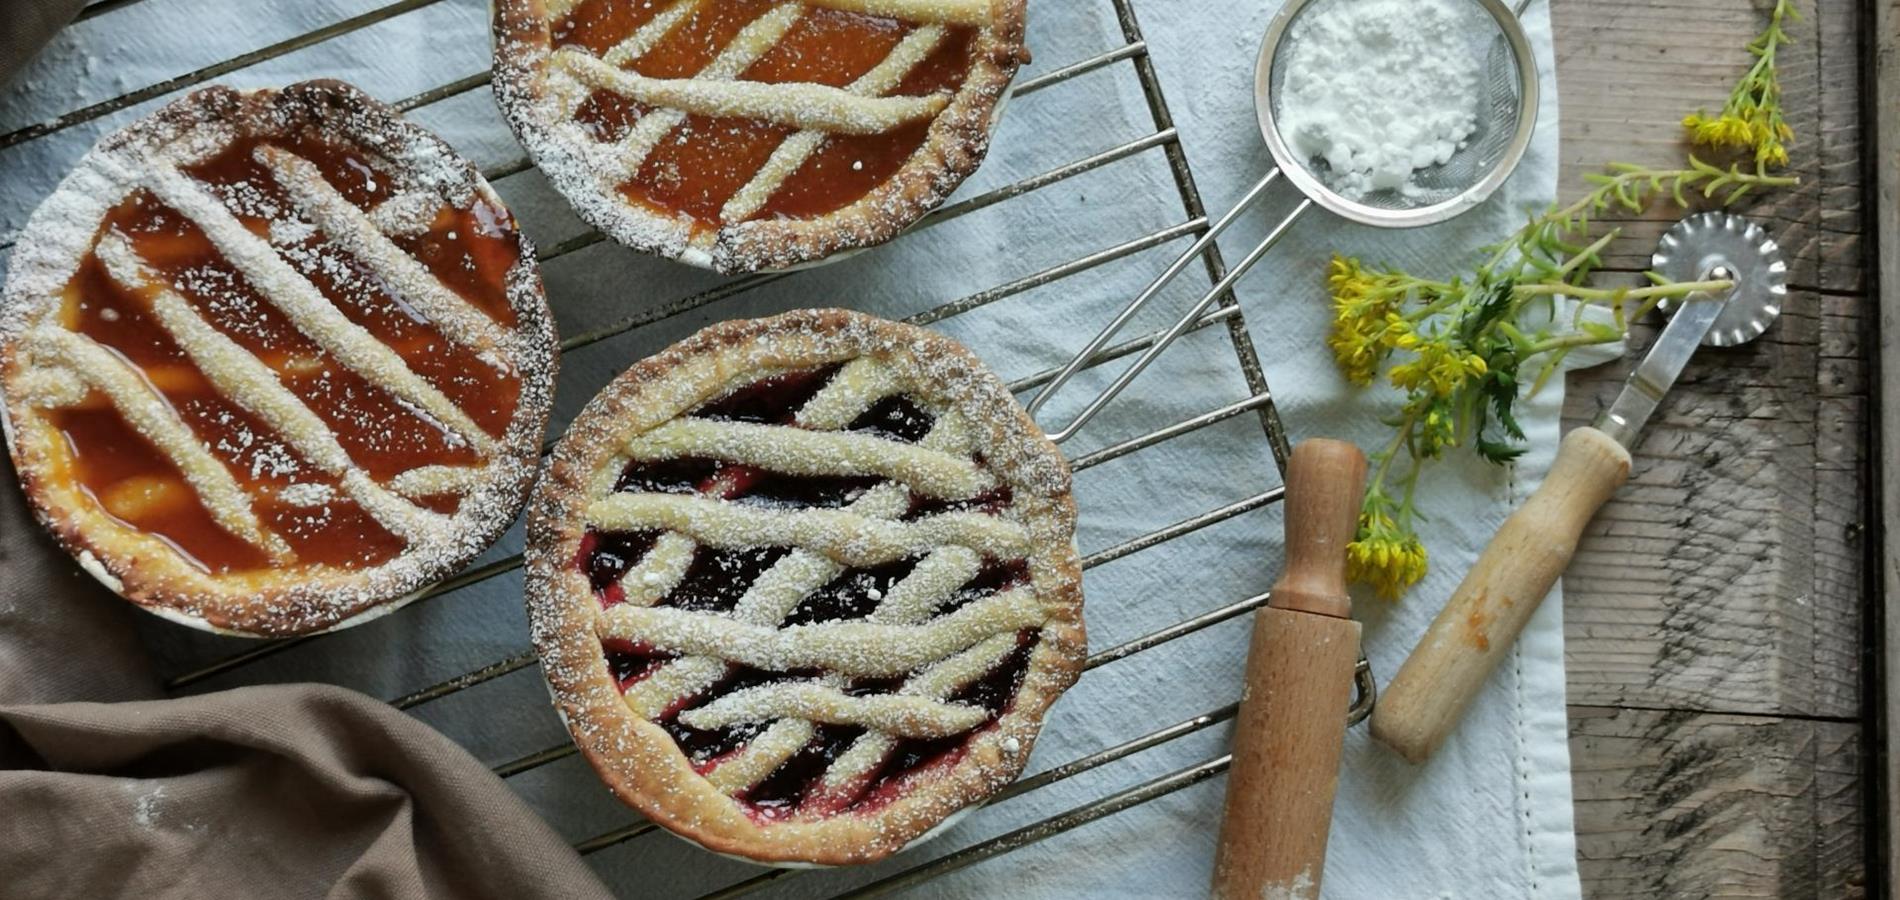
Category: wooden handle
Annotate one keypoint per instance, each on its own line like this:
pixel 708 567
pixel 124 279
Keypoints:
pixel 1325 484
pixel 1292 721
pixel 1287 742
pixel 1484 616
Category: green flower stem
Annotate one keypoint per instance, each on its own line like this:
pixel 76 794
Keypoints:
pixel 1586 255
pixel 1566 342
pixel 1391 452
pixel 1613 295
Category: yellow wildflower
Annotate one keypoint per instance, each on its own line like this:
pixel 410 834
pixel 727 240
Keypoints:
pixel 1387 557
pixel 1361 320
pixel 1751 121
pixel 1440 368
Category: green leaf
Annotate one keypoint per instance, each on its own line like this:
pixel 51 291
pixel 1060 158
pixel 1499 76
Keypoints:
pixel 1497 452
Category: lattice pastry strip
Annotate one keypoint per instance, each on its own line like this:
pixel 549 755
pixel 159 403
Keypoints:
pixel 751 43
pixel 909 602
pixel 778 590
pixel 358 233
pixel 131 396
pixel 306 306
pixel 809 106
pixel 798 148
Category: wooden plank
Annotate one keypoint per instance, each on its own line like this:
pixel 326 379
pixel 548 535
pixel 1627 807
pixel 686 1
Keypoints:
pixel 1886 141
pixel 1723 578
pixel 1686 804
pixel 1720 592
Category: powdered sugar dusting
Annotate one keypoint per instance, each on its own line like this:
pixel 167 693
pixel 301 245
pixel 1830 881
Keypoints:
pixel 1381 88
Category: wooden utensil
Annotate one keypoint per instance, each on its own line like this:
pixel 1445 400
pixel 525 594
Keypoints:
pixel 1292 721
pixel 1489 609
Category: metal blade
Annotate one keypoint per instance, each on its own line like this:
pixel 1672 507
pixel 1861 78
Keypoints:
pixel 1660 368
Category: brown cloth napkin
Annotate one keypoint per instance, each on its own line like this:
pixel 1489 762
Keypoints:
pixel 286 791
pixel 26 26
pixel 283 791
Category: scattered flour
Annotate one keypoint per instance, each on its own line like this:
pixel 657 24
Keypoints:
pixel 1380 88
pixel 145 807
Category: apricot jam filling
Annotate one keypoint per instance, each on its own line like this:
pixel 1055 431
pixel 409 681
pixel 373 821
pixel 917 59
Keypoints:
pixel 703 161
pixel 469 250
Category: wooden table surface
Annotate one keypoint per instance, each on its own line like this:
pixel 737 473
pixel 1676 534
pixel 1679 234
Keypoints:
pixel 1714 615
pixel 1715 612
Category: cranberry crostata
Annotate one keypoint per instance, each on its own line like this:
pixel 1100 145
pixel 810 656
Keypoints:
pixel 755 134
pixel 274 361
pixel 804 586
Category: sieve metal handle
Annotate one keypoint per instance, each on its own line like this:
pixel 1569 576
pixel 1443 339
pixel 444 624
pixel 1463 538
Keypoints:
pixel 1181 326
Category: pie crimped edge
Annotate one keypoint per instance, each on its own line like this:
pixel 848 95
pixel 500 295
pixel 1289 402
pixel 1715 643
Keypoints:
pixel 637 759
pixel 958 140
pixel 64 230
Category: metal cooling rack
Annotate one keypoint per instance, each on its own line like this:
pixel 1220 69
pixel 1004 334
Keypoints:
pixel 1224 312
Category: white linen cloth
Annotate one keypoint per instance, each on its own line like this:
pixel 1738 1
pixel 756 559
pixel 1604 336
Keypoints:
pixel 1490 816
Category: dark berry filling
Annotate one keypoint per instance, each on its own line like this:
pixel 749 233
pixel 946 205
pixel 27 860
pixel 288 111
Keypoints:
pixel 897 418
pixel 990 502
pixel 629 662
pixel 716 579
pixel 607 555
pixel 994 578
pixel 706 746
pixel 807 491
pixel 769 401
pixel 852 595
pixel 667 476
pixel 798 781
pixel 783 791
pixel 992 692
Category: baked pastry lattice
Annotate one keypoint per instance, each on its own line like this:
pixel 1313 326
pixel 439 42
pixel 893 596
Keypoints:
pixel 274 361
pixel 804 586
pixel 754 134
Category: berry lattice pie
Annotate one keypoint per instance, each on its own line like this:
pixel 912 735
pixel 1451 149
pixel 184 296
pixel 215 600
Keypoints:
pixel 804 586
pixel 274 361
pixel 755 134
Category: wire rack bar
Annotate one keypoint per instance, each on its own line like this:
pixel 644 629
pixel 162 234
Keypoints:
pixel 1244 353
pixel 200 76
pixel 1045 829
pixel 269 648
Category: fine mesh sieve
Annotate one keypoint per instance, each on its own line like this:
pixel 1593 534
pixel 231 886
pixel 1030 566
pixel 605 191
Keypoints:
pixel 1506 114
